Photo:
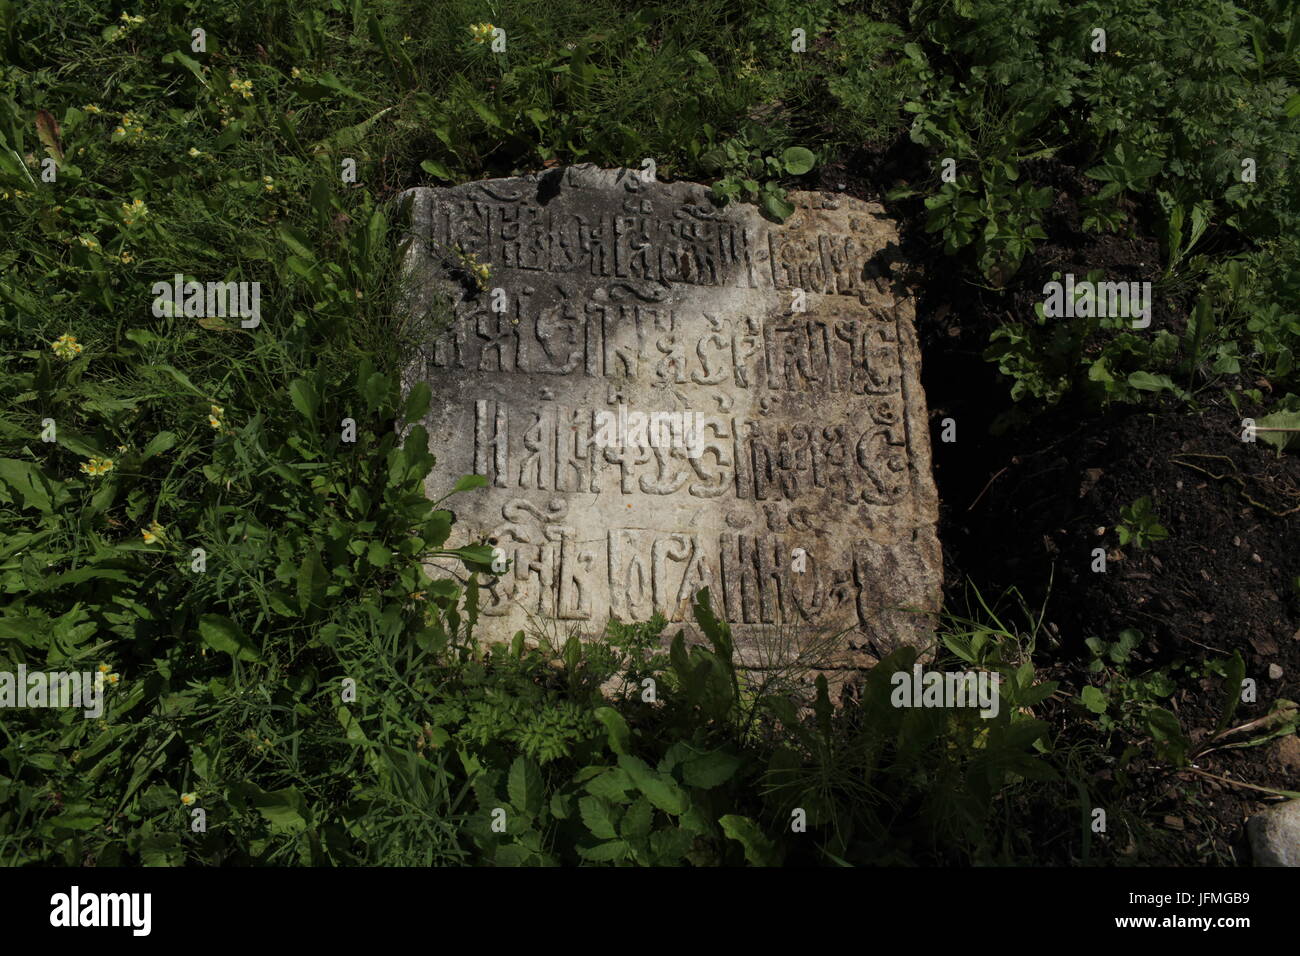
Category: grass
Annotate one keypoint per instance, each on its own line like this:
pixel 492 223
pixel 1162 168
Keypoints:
pixel 236 569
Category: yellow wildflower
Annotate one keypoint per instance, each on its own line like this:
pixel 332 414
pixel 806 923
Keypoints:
pixel 189 798
pixel 97 466
pixel 134 212
pixel 91 108
pixel 481 32
pixel 66 347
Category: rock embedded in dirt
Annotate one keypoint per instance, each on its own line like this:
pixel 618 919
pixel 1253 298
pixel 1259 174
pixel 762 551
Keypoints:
pixel 1275 835
pixel 663 395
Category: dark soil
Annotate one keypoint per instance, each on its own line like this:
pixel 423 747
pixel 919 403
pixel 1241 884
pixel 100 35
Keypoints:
pixel 1026 509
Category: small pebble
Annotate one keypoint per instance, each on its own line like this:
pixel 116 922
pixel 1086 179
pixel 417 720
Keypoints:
pixel 1274 671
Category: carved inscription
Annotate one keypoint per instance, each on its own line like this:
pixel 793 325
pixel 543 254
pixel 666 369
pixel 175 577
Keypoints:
pixel 803 495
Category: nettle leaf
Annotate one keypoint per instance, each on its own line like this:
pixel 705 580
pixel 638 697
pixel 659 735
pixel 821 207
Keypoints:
pixel 222 634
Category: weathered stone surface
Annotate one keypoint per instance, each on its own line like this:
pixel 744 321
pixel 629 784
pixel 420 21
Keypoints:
pixel 1275 835
pixel 804 500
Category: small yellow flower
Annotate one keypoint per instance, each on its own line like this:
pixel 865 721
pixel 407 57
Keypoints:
pixel 97 466
pixel 215 418
pixel 149 536
pixel 194 153
pixel 243 87
pixel 66 347
pixel 113 678
pixel 416 595
pixel 268 184
pixel 126 258
pixel 481 32
pixel 104 668
pixel 189 798
pixel 134 212
pixel 90 242
pixel 130 20
pixel 91 108
pixel 295 73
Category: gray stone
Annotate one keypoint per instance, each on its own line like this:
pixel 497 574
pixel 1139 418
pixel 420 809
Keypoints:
pixel 789 471
pixel 1275 835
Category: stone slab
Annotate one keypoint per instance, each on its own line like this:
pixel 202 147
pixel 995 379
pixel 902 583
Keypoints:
pixel 790 468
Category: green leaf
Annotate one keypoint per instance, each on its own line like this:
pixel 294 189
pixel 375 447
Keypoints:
pixel 26 480
pixel 605 852
pixel 469 483
pixel 598 817
pixel 1232 681
pixel 1093 699
pixel 619 734
pixel 662 790
pixel 635 825
pixel 778 207
pixel 417 403
pixel 525 786
pixel 710 770
pixel 1288 433
pixel 435 168
pixel 160 443
pixel 304 398
pixel 222 634
pixel 759 850
pixel 798 160
pixel 613 785
pixel 313 580
pixel 286 810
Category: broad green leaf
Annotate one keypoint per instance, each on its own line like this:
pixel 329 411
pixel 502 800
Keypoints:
pixel 759 850
pixel 797 160
pixel 597 816
pixel 710 770
pixel 619 734
pixel 222 634
pixel 662 790
pixel 605 852
pixel 525 786
pixel 304 398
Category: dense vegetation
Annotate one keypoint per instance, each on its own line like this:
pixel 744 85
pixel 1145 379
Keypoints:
pixel 182 510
